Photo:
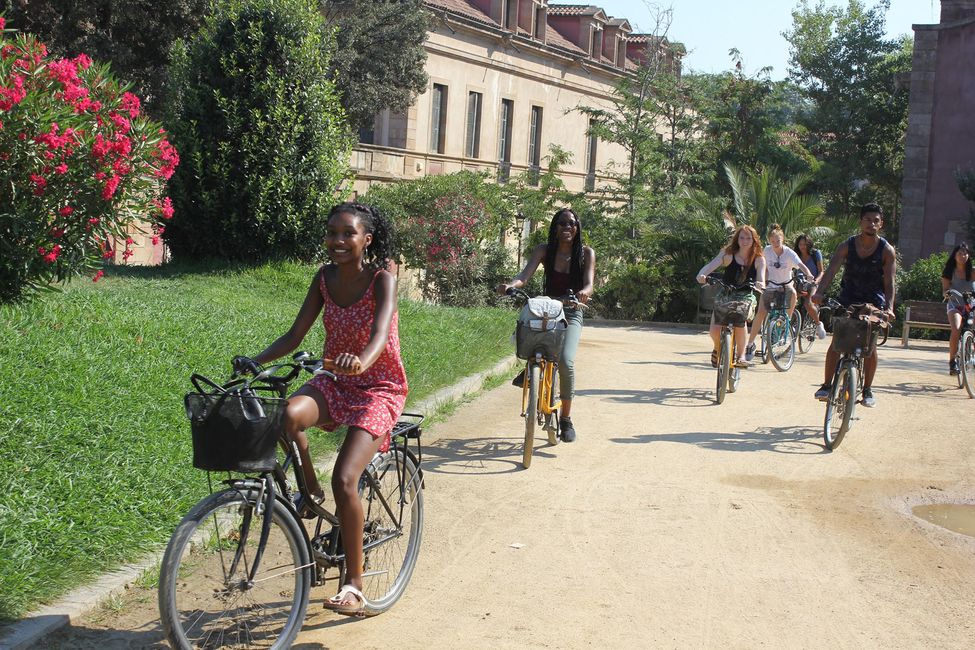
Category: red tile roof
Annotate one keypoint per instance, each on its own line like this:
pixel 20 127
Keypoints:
pixel 464 8
pixel 572 10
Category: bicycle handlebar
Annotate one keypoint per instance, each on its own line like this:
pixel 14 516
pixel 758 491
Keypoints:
pixel 569 300
pixel 954 293
pixel 717 281
pixel 300 361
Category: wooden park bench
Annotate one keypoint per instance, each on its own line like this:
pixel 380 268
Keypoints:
pixel 922 313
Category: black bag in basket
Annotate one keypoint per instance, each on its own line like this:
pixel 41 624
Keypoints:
pixel 234 429
pixel 850 333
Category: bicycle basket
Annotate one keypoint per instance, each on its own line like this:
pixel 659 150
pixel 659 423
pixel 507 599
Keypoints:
pixel 541 328
pixel 234 429
pixel 850 333
pixel 732 309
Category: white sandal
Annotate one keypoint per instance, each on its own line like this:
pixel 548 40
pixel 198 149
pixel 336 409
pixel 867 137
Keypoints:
pixel 336 605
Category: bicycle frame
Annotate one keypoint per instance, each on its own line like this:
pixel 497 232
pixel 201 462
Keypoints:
pixel 545 404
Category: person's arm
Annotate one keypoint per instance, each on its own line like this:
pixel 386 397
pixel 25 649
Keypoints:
pixel 710 267
pixel 385 292
pixel 526 274
pixel 890 269
pixel 760 269
pixel 839 257
pixel 801 265
pixel 307 315
pixel 589 275
pixel 818 256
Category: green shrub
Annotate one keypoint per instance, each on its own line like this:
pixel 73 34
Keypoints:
pixel 80 167
pixel 923 280
pixel 633 293
pixel 264 139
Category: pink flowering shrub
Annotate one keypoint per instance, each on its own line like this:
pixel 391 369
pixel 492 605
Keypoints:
pixel 80 165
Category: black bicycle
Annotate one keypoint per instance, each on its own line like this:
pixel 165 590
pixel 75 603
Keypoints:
pixel 239 568
pixel 730 310
pixel 965 357
pixel 855 332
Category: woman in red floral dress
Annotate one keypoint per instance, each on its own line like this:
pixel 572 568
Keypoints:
pixel 357 298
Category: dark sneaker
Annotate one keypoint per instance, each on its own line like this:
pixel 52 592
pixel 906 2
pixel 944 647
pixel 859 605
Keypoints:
pixel 953 367
pixel 519 381
pixel 749 352
pixel 868 399
pixel 823 393
pixel 566 431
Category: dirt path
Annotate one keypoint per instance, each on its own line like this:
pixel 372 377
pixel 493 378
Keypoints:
pixel 673 522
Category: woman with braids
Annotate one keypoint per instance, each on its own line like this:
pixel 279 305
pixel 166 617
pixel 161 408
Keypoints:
pixel 569 266
pixel 357 298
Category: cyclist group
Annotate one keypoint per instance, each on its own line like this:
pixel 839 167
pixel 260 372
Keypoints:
pixel 357 298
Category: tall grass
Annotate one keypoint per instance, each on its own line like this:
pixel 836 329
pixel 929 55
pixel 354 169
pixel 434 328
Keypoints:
pixel 94 446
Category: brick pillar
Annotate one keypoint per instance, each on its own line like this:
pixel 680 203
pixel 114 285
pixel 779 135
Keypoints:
pixel 956 10
pixel 917 143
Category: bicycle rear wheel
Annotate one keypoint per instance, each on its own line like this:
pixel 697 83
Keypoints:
pixel 206 597
pixel 724 365
pixel 783 343
pixel 531 413
pixel 966 368
pixel 393 527
pixel 839 406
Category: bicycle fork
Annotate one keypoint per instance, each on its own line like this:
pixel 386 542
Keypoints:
pixel 263 505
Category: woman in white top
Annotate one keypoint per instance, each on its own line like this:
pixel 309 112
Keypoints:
pixel 779 262
pixel 957 275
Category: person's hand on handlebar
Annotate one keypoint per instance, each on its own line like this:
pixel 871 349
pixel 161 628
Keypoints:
pixel 245 365
pixel 702 279
pixel 503 289
pixel 347 364
pixel 583 296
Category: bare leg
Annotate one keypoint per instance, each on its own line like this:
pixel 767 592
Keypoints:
pixel 357 450
pixel 869 369
pixel 306 408
pixel 832 358
pixel 715 332
pixel 954 319
pixel 566 407
pixel 757 323
pixel 740 334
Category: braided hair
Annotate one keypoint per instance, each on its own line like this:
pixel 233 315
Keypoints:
pixel 576 263
pixel 380 251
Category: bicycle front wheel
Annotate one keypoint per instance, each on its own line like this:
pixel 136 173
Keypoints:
pixel 552 419
pixel 207 599
pixel 531 413
pixel 393 527
pixel 839 406
pixel 724 365
pixel 966 368
pixel 783 343
pixel 807 335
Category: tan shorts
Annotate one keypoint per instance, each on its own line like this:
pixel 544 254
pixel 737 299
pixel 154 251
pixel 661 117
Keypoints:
pixel 784 292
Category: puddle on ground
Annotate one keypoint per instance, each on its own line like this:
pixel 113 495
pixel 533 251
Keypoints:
pixel 956 517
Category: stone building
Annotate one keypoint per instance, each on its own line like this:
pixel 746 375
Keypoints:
pixel 505 76
pixel 940 133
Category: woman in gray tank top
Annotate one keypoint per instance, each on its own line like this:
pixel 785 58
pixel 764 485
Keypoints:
pixel 957 275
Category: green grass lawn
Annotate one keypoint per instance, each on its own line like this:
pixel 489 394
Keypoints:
pixel 94 445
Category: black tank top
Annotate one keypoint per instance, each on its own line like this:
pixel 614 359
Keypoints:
pixel 863 278
pixel 734 273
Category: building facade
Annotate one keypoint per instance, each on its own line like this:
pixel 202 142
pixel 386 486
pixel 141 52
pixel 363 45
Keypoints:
pixel 505 80
pixel 940 137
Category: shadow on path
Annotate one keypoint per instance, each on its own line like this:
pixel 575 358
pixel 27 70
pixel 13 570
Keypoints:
pixel 662 396
pixel 480 455
pixel 782 440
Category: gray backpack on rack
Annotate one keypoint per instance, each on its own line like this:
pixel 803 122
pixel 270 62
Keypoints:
pixel 541 328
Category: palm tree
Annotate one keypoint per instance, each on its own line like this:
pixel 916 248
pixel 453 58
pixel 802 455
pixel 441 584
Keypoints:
pixel 763 198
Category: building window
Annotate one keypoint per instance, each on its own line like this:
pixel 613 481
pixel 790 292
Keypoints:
pixel 504 138
pixel 535 145
pixel 539 31
pixel 438 118
pixel 597 44
pixel 472 147
pixel 591 161
pixel 511 15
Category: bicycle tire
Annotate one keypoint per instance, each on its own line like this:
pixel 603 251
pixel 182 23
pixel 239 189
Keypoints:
pixel 766 355
pixel 967 366
pixel 839 406
pixel 199 603
pixel 396 531
pixel 724 365
pixel 531 414
pixel 807 335
pixel 783 349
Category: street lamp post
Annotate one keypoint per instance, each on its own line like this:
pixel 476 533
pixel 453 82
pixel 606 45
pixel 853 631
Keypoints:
pixel 520 223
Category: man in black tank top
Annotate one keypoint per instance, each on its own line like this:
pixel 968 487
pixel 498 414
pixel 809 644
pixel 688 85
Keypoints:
pixel 868 278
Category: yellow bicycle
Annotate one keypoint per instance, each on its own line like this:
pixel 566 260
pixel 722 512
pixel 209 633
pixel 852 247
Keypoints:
pixel 541 330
